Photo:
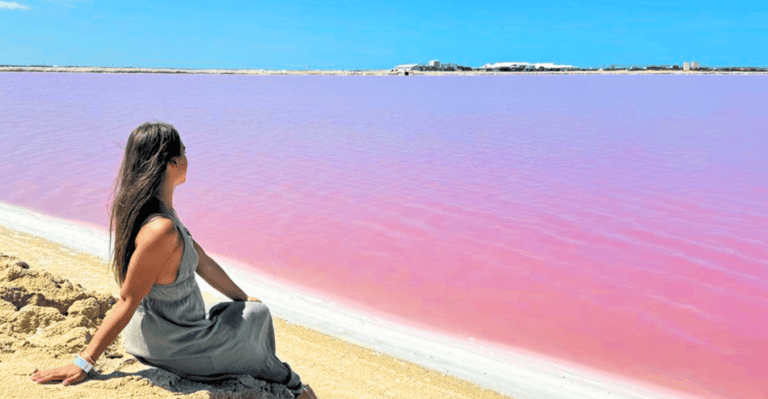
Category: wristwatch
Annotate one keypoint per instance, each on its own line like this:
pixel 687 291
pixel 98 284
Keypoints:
pixel 83 364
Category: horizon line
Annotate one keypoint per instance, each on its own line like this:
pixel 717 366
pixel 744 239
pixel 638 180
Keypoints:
pixel 613 69
pixel 603 66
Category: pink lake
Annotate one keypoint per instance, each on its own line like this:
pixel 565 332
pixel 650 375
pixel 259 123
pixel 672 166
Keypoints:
pixel 616 221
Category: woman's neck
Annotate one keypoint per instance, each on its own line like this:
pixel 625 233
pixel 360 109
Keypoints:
pixel 167 186
pixel 165 195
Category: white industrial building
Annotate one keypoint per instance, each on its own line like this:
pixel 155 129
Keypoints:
pixel 404 67
pixel 693 65
pixel 499 65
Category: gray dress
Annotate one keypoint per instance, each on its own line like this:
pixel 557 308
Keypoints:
pixel 171 330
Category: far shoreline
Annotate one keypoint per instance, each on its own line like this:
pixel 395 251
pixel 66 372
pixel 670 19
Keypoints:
pixel 379 72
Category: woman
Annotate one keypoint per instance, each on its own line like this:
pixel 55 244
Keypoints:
pixel 160 305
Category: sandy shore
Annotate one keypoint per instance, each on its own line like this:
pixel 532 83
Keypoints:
pixel 40 279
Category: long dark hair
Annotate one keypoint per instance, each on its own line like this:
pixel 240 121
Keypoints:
pixel 149 149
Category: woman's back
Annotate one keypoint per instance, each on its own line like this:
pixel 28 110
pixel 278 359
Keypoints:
pixel 160 224
pixel 167 223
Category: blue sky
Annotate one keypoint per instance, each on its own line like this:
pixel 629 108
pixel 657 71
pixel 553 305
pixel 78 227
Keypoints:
pixel 299 34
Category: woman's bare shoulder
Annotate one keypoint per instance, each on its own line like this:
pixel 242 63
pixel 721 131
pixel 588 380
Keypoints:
pixel 159 231
pixel 157 243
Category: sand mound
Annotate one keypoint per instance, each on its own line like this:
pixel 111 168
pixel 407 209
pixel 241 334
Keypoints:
pixel 45 315
pixel 40 310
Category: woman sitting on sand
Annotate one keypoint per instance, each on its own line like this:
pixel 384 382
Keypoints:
pixel 160 305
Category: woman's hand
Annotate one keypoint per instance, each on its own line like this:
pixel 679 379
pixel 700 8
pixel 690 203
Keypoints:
pixel 253 299
pixel 67 374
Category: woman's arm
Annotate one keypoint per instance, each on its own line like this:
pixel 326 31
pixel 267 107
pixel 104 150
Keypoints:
pixel 214 275
pixel 155 244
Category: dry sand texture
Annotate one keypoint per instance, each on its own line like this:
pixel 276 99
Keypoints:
pixel 46 317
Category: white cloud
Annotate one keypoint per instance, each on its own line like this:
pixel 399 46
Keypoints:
pixel 11 6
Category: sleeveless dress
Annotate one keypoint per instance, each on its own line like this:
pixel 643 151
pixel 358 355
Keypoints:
pixel 171 330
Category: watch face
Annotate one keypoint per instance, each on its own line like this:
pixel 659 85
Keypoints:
pixel 83 364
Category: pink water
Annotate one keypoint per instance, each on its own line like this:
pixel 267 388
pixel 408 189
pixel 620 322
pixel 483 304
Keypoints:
pixel 616 221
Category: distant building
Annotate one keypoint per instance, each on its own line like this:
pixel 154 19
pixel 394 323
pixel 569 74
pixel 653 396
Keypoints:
pixel 500 66
pixel 549 65
pixel 405 67
pixel 524 66
pixel 686 66
pixel 433 65
pixel 694 65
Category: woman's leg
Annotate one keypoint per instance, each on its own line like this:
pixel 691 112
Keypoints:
pixel 249 346
pixel 274 370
